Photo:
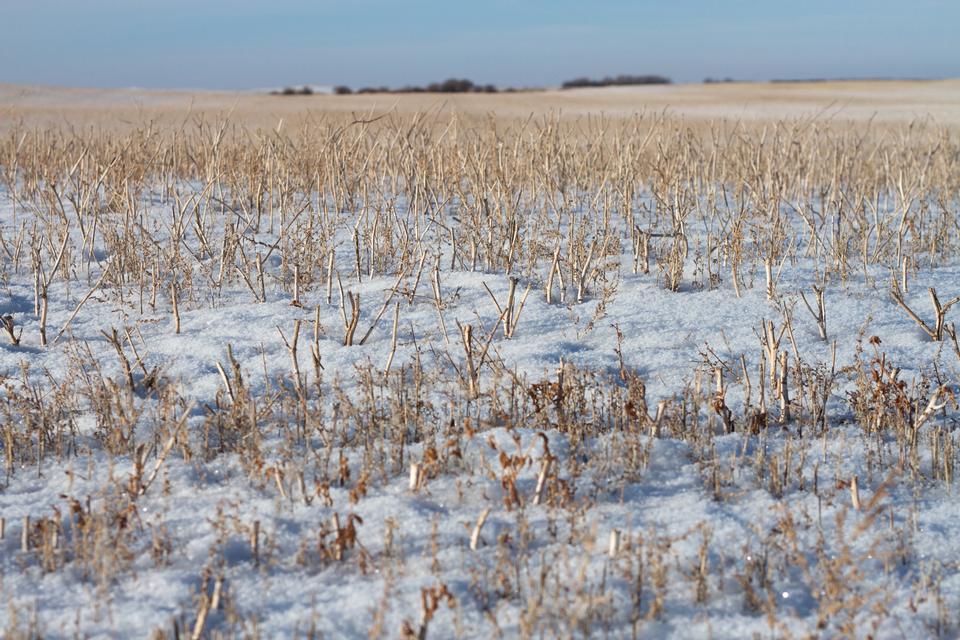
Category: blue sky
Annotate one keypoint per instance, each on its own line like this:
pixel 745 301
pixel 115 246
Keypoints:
pixel 242 44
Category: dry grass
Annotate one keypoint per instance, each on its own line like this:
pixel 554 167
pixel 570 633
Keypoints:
pixel 560 208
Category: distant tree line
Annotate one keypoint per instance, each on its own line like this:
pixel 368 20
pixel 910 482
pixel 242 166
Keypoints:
pixel 463 85
pixel 293 91
pixel 451 85
pixel 611 81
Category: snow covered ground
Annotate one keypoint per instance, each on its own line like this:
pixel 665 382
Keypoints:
pixel 304 520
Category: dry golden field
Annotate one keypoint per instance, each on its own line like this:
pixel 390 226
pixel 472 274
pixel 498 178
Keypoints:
pixel 839 102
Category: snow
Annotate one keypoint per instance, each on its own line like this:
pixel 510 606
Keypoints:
pixel 540 569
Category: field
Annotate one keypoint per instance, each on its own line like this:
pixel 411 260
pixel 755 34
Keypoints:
pixel 840 103
pixel 634 362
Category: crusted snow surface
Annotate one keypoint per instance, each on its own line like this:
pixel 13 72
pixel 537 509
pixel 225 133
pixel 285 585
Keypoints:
pixel 705 550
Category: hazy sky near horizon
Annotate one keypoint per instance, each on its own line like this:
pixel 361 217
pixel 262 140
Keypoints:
pixel 248 44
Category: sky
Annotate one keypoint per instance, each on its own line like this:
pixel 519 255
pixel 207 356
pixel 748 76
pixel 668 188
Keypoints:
pixel 247 44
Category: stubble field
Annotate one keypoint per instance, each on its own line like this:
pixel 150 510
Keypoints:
pixel 654 362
